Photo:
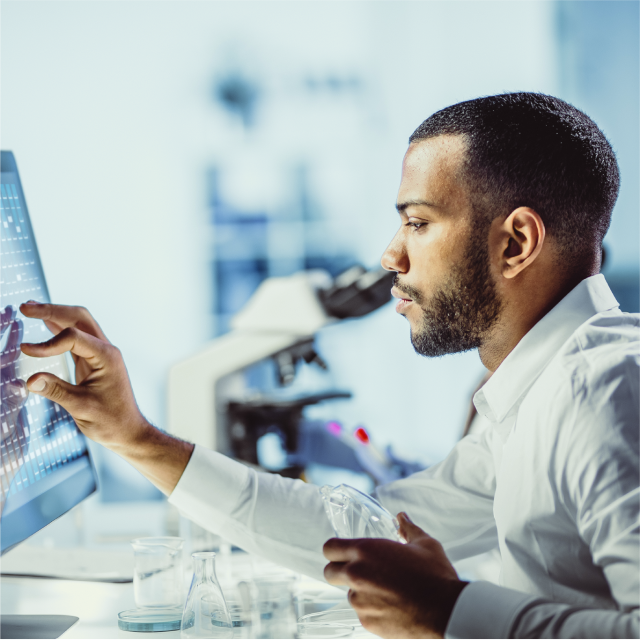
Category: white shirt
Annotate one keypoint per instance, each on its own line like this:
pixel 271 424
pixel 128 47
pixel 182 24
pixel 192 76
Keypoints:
pixel 554 483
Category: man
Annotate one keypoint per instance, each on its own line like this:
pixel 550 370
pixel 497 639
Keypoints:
pixel 503 205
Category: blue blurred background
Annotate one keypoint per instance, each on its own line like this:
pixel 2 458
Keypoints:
pixel 174 154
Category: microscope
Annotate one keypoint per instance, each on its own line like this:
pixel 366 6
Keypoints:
pixel 210 404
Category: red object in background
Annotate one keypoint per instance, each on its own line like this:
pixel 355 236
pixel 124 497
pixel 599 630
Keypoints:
pixel 361 435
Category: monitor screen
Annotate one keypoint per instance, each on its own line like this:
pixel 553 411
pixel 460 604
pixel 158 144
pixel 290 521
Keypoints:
pixel 45 465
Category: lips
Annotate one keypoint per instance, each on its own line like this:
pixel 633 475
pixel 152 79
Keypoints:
pixel 403 300
pixel 396 293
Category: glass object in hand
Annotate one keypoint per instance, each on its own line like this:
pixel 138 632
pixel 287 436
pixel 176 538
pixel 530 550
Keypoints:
pixel 158 569
pixel 354 514
pixel 206 614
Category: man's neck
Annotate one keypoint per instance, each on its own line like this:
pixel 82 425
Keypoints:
pixel 520 313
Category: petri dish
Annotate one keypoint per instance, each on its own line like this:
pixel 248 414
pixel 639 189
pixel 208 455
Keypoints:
pixel 334 623
pixel 148 620
pixel 334 616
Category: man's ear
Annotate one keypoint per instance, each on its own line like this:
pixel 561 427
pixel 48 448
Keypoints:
pixel 520 238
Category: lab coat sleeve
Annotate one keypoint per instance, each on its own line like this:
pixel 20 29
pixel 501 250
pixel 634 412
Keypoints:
pixel 453 500
pixel 275 517
pixel 284 520
pixel 485 610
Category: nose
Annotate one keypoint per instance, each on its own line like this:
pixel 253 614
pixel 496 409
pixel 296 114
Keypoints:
pixel 395 256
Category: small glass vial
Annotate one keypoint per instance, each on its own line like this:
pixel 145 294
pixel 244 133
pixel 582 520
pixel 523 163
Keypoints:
pixel 206 614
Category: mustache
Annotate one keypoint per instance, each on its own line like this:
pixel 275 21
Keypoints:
pixel 410 291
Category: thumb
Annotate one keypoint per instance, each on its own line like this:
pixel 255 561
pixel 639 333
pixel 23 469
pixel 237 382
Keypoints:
pixel 409 531
pixel 55 389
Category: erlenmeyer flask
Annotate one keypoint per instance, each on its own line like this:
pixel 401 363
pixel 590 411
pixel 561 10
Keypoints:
pixel 206 614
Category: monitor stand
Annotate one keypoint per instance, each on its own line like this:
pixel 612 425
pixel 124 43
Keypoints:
pixel 19 627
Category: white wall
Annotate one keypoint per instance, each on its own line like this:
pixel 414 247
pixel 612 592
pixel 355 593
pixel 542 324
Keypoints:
pixel 600 73
pixel 108 108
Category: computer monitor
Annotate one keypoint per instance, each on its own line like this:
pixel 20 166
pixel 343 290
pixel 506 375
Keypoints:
pixel 45 466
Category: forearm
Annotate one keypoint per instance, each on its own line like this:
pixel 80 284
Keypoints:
pixel 281 519
pixel 158 456
pixel 275 517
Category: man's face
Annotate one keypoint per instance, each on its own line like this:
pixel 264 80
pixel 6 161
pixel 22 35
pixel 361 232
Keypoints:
pixel 440 253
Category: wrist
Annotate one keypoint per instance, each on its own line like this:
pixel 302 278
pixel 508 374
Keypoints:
pixel 159 456
pixel 134 439
pixel 449 596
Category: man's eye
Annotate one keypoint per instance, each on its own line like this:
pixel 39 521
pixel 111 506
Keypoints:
pixel 416 225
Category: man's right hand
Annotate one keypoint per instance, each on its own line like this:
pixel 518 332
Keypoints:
pixel 102 401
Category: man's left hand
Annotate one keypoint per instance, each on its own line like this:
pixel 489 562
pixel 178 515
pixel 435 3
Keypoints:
pixel 398 590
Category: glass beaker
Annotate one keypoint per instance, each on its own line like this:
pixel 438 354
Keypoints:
pixel 206 614
pixel 275 607
pixel 157 575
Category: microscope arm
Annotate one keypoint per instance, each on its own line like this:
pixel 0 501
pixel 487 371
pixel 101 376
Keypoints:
pixel 281 313
pixel 192 413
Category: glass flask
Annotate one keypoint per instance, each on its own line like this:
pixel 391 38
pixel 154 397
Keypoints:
pixel 205 614
pixel 354 514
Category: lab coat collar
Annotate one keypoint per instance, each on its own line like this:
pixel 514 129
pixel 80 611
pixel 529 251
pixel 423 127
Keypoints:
pixel 506 388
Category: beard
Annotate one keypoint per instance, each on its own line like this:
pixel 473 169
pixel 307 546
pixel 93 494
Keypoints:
pixel 462 311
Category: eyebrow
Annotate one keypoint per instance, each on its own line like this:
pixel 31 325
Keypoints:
pixel 402 206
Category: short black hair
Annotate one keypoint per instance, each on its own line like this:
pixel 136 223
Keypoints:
pixel 534 150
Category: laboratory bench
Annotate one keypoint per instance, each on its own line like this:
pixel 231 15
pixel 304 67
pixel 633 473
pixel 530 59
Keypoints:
pixel 97 604
pixel 89 559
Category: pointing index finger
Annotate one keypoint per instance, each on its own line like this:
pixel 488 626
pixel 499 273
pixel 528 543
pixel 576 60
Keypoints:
pixel 70 339
pixel 58 317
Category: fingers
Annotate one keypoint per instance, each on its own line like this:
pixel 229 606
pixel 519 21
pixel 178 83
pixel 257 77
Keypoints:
pixel 58 317
pixel 335 573
pixel 70 339
pixel 341 553
pixel 357 574
pixel 341 550
pixel 63 393
pixel 409 531
pixel 366 602
pixel 353 562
